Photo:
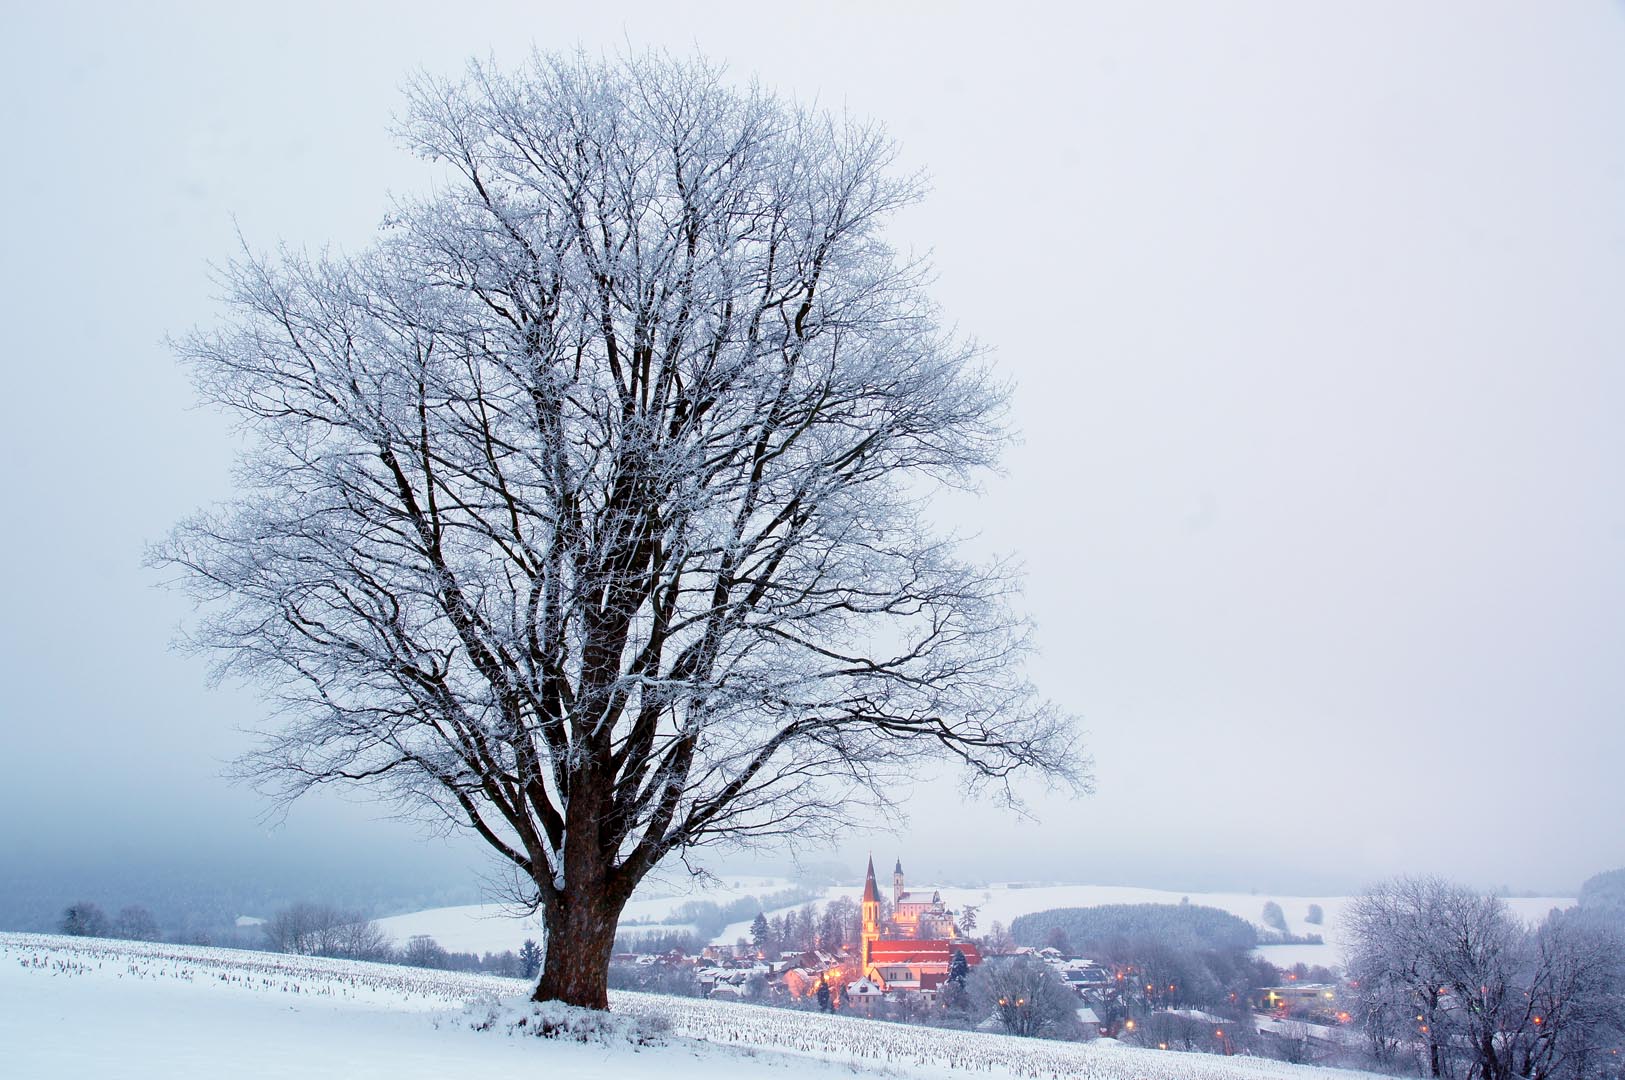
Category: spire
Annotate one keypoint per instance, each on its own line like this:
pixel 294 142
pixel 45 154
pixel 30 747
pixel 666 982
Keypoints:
pixel 870 890
pixel 899 868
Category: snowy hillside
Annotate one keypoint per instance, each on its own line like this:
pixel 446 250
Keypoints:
pixel 495 928
pixel 1003 903
pixel 89 1007
pixel 492 928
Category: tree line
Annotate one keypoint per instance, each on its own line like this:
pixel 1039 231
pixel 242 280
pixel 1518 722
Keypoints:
pixel 85 918
pixel 322 930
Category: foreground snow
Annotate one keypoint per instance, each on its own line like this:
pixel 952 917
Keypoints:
pixel 89 1007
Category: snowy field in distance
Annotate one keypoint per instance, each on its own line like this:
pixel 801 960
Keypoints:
pixel 491 928
pixel 1004 902
pixel 78 1007
pixel 485 928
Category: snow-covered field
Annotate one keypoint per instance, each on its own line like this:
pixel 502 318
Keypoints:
pixel 73 1007
pixel 1003 903
pixel 491 928
pixel 485 928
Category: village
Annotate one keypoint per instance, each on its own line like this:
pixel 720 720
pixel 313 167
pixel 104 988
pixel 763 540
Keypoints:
pixel 906 956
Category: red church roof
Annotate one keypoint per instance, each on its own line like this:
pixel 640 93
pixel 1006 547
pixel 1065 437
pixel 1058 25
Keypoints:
pixel 928 951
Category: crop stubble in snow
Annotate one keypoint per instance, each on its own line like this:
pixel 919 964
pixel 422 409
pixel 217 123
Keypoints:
pixel 440 998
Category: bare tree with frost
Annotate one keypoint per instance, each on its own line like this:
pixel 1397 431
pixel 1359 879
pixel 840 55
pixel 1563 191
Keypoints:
pixel 1453 972
pixel 585 507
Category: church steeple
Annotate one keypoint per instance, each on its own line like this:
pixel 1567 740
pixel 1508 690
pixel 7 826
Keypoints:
pixel 871 891
pixel 871 912
pixel 897 883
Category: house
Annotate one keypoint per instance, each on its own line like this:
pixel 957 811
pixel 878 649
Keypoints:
pixel 861 997
pixel 1299 996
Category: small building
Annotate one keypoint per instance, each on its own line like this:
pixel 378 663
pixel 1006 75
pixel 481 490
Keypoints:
pixel 1299 996
pixel 861 997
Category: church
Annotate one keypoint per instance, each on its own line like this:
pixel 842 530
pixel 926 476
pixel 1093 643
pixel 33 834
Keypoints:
pixel 913 947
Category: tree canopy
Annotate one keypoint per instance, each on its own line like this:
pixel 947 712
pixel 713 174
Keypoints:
pixel 586 506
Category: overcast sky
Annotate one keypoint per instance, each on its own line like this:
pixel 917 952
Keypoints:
pixel 1316 314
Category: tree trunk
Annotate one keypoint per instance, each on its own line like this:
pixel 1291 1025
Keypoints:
pixel 580 938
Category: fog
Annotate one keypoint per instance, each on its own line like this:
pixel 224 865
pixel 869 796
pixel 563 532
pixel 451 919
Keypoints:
pixel 1314 317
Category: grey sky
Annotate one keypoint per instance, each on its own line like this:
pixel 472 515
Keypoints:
pixel 1315 313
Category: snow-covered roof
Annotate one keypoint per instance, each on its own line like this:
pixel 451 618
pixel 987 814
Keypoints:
pixel 1196 1014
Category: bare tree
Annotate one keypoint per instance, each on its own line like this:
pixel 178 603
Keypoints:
pixel 319 930
pixel 1025 995
pixel 135 923
pixel 425 952
pixel 357 938
pixel 1569 1019
pixel 1391 930
pixel 84 918
pixel 1506 1000
pixel 586 507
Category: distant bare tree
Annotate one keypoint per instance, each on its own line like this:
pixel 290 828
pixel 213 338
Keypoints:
pixel 586 508
pixel 319 930
pixel 998 939
pixel 840 925
pixel 357 939
pixel 135 923
pixel 425 952
pixel 84 919
pixel 1025 996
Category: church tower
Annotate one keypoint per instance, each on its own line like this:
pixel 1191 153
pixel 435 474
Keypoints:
pixel 871 913
pixel 897 889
